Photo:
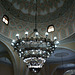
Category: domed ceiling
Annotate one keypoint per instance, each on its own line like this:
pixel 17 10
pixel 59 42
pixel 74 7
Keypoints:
pixel 21 13
pixel 25 9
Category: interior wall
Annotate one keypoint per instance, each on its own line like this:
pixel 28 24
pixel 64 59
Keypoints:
pixel 6 69
pixel 69 45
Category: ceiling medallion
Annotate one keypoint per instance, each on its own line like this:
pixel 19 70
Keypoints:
pixel 35 49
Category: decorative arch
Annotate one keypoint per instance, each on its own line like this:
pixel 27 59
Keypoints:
pixel 12 56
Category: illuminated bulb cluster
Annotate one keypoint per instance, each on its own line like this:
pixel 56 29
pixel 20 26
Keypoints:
pixel 34 51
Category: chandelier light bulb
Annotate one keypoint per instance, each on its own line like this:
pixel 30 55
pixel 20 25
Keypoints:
pixel 22 57
pixel 51 52
pixel 31 41
pixel 12 44
pixel 36 34
pixel 55 38
pixel 19 54
pixel 23 41
pixel 40 52
pixel 55 46
pixel 53 49
pixel 33 52
pixel 44 51
pixel 26 33
pixel 20 50
pixel 57 42
pixel 40 41
pixel 17 36
pixel 34 70
pixel 17 44
pixel 13 41
pixel 26 51
pixel 46 34
pixel 48 56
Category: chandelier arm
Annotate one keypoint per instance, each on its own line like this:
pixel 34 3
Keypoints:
pixel 31 34
pixel 41 35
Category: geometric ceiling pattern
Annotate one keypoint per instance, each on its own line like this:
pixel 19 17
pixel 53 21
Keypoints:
pixel 47 10
pixel 63 17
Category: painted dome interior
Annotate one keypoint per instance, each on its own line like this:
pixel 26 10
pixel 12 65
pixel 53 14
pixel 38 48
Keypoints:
pixel 21 15
pixel 25 9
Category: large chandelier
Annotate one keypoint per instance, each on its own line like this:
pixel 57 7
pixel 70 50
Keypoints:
pixel 34 49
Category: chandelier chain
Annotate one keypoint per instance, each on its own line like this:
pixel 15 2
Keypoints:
pixel 36 15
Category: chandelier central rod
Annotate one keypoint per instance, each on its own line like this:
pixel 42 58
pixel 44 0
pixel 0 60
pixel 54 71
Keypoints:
pixel 35 30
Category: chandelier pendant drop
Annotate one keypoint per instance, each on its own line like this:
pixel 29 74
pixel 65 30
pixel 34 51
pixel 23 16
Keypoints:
pixel 34 50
